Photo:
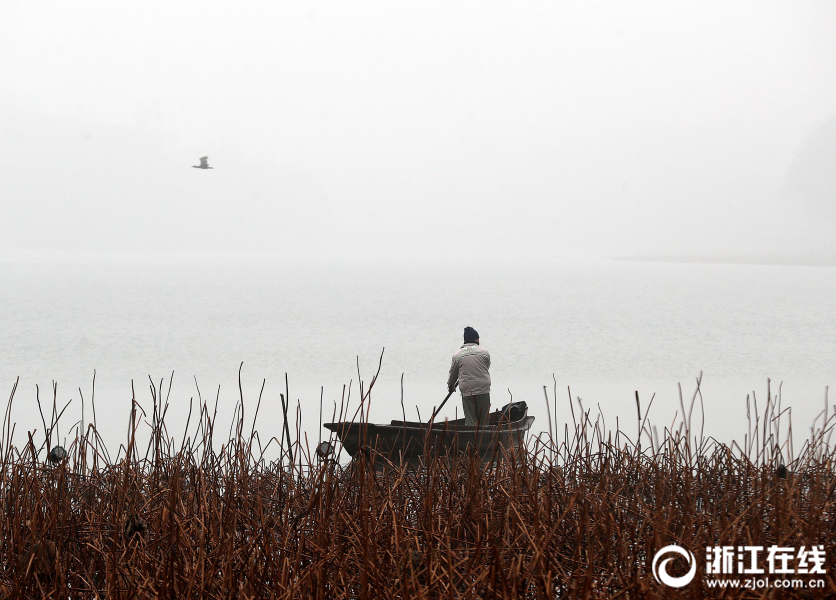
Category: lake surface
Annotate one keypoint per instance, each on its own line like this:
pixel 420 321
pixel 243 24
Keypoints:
pixel 604 328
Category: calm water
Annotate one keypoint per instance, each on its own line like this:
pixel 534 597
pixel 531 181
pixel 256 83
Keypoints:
pixel 604 328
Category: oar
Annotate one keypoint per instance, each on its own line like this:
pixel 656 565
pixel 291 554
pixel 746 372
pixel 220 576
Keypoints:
pixel 432 418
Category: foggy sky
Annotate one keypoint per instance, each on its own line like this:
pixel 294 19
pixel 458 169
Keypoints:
pixel 407 131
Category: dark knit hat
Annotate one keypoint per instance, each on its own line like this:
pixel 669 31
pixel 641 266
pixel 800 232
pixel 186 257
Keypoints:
pixel 470 335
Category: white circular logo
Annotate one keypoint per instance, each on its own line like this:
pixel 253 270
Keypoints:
pixel 661 573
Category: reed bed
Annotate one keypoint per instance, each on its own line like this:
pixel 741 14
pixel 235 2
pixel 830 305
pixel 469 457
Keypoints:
pixel 577 515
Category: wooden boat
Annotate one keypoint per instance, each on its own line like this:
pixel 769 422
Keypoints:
pixel 414 442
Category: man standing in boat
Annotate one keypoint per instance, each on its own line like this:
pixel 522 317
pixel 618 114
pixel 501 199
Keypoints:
pixel 470 368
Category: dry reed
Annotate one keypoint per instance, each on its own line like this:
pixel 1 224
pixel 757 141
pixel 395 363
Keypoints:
pixel 578 517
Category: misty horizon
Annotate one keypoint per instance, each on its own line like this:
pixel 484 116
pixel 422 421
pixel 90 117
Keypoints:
pixel 350 133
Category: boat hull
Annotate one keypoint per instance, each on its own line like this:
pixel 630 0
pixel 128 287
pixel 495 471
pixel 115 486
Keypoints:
pixel 416 443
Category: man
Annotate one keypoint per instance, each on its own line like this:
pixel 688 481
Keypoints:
pixel 470 367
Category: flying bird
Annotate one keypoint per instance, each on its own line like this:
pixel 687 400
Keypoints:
pixel 204 163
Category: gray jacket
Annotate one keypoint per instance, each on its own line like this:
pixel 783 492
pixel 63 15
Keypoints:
pixel 470 366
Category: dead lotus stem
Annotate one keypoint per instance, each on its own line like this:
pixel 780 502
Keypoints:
pixel 576 517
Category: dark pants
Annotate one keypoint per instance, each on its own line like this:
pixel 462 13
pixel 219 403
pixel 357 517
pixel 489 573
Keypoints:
pixel 476 409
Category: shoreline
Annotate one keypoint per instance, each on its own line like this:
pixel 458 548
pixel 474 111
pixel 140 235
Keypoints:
pixel 736 259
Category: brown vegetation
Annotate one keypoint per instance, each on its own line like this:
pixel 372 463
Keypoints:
pixel 581 517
